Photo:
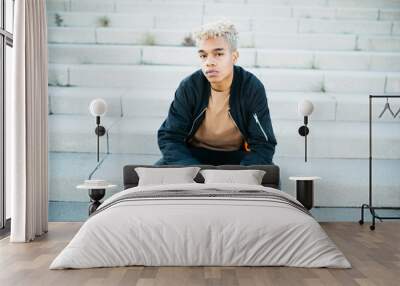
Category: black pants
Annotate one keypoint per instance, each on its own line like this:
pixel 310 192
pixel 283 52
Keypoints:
pixel 211 157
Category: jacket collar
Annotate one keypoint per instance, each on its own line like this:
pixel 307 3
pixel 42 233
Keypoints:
pixel 234 88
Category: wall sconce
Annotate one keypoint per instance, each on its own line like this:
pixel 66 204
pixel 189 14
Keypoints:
pixel 305 108
pixel 98 107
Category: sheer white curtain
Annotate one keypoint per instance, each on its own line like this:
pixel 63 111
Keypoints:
pixel 27 127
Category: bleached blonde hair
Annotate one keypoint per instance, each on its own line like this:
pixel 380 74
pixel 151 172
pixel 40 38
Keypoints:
pixel 221 28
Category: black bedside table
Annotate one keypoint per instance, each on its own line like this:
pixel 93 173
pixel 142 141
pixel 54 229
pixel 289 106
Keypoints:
pixel 305 190
pixel 96 193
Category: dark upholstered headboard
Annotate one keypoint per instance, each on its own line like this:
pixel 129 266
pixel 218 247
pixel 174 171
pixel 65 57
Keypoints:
pixel 270 179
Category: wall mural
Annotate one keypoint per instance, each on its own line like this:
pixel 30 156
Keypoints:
pixel 133 55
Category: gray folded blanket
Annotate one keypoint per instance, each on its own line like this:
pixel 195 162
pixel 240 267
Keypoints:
pixel 206 194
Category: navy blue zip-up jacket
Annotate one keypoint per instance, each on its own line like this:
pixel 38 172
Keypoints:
pixel 248 104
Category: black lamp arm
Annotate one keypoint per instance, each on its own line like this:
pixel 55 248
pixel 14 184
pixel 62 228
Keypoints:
pixel 303 131
pixel 100 131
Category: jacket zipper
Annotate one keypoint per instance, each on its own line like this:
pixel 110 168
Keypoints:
pixel 259 124
pixel 254 116
pixel 194 122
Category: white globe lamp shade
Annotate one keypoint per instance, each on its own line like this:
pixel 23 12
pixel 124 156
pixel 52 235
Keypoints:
pixel 98 107
pixel 305 107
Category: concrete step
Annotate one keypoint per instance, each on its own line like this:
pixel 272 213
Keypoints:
pixel 344 182
pixel 327 139
pixel 159 76
pixel 140 76
pixel 134 19
pixel 157 7
pixel 180 22
pixel 333 139
pixel 355 107
pixel 146 14
pixel 303 17
pixel 378 43
pixel 374 61
pixel 252 5
pixel 389 14
pixel 283 105
pixel 396 28
pixel 332 81
pixel 339 107
pixel 99 19
pixel 364 3
pixel 175 56
pixel 210 7
pixel 67 170
pixel 94 54
pixel 343 26
pixel 274 40
pixel 330 42
pixel 155 103
pixel 77 133
pixel 122 36
pixel 348 13
pixel 261 10
pixel 120 101
pixel 314 12
pixel 79 35
pixel 71 100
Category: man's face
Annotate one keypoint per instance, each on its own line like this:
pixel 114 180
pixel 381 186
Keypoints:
pixel 216 59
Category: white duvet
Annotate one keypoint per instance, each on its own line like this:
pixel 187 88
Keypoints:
pixel 200 231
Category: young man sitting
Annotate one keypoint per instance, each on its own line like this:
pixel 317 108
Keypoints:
pixel 220 113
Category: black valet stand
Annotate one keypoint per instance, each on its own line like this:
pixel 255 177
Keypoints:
pixel 370 205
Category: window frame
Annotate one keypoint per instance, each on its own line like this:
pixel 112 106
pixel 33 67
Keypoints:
pixel 6 39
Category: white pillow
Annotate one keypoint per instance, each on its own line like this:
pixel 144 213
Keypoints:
pixel 164 176
pixel 249 177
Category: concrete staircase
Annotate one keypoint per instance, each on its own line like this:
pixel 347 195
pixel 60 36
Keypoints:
pixel 334 52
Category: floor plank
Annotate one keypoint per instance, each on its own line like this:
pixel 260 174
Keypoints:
pixel 374 255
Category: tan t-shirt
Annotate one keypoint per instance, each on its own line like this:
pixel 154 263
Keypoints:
pixel 218 131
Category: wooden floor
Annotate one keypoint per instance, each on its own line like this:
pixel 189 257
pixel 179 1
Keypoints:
pixel 374 255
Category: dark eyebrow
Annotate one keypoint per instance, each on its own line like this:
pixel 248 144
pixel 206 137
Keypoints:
pixel 214 50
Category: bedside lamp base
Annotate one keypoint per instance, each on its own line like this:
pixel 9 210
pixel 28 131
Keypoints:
pixel 95 196
pixel 305 193
pixel 305 190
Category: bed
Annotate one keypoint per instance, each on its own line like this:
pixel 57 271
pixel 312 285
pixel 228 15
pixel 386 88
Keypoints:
pixel 201 224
